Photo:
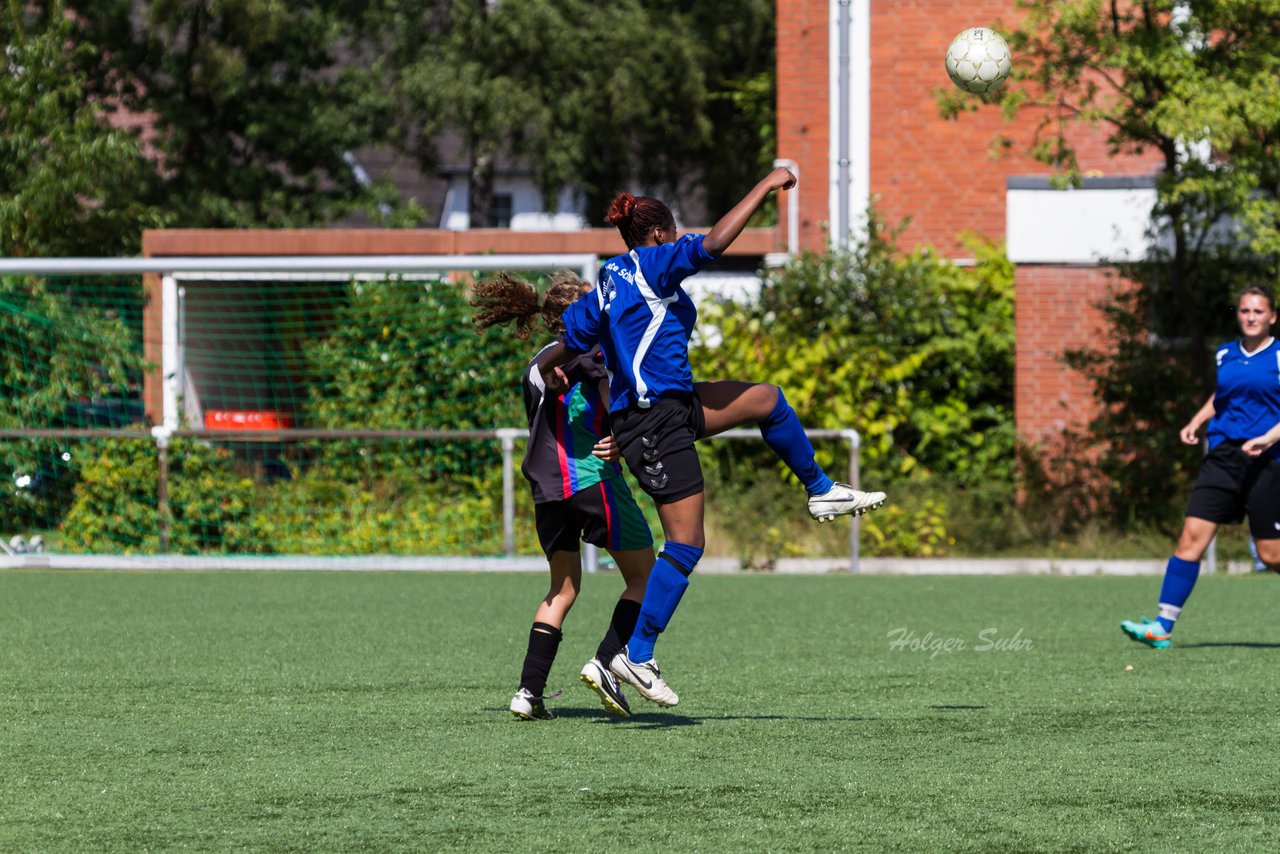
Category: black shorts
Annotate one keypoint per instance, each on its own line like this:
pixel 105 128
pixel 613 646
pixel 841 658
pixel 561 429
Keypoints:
pixel 657 444
pixel 604 514
pixel 1233 485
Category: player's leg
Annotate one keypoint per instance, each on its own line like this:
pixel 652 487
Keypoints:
pixel 658 445
pixel 729 403
pixel 1217 498
pixel 559 534
pixel 667 581
pixel 616 524
pixel 1180 575
pixel 1262 507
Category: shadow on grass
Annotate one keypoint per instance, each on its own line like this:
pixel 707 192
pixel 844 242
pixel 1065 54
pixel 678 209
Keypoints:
pixel 1238 644
pixel 957 708
pixel 649 720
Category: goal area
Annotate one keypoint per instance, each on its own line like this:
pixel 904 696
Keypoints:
pixel 309 412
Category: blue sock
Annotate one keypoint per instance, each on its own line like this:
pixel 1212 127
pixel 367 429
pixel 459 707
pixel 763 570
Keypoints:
pixel 1179 578
pixel 783 433
pixel 667 582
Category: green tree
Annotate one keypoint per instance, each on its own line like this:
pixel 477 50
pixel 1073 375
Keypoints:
pixel 256 106
pixel 590 96
pixel 69 183
pixel 1199 85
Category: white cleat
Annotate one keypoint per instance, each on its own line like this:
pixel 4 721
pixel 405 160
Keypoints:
pixel 645 677
pixel 596 677
pixel 527 707
pixel 843 500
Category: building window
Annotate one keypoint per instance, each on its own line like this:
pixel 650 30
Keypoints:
pixel 502 210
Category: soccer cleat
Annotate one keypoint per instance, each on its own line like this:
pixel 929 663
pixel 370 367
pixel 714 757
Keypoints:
pixel 527 707
pixel 644 677
pixel 843 500
pixel 605 684
pixel 1147 631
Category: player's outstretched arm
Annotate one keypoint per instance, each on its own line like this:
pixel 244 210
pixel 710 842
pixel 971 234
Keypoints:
pixel 732 223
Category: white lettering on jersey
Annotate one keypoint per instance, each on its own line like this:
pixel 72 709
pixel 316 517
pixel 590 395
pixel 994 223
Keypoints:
pixel 657 305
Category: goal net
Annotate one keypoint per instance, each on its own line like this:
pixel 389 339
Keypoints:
pixel 285 412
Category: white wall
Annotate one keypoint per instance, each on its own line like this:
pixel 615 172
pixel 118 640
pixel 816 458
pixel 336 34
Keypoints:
pixel 528 212
pixel 1106 220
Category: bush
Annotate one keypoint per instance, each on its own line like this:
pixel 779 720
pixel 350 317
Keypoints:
pixel 909 349
pixel 116 509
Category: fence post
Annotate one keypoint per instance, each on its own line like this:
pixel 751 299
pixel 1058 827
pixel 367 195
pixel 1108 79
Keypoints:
pixel 855 480
pixel 161 435
pixel 508 437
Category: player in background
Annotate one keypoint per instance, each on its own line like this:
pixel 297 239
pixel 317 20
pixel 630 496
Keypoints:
pixel 1240 476
pixel 578 491
pixel 642 318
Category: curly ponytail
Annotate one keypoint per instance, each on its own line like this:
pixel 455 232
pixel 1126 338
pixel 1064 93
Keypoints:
pixel 510 299
pixel 636 216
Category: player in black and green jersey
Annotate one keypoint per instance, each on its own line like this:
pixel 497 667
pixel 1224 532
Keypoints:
pixel 578 490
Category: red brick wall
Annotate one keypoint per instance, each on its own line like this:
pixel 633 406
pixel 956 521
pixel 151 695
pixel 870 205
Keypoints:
pixel 1054 313
pixel 803 108
pixel 938 173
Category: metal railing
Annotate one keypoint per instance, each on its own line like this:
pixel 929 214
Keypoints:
pixel 507 436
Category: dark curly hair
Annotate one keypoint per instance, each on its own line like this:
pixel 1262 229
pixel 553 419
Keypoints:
pixel 636 216
pixel 509 298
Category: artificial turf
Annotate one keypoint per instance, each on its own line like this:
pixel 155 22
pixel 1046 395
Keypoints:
pixel 342 712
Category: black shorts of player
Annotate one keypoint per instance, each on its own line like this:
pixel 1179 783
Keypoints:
pixel 1233 485
pixel 658 445
pixel 603 514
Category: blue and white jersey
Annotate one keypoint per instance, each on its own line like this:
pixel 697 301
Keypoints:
pixel 1246 401
pixel 642 319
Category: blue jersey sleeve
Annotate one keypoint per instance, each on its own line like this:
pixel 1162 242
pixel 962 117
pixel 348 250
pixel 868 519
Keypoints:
pixel 582 323
pixel 666 266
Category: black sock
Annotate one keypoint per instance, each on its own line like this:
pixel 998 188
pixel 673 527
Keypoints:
pixel 625 614
pixel 544 640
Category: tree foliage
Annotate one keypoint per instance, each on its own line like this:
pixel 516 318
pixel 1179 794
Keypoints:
pixel 255 106
pixel 590 96
pixel 69 183
pixel 1198 84
pixel 910 350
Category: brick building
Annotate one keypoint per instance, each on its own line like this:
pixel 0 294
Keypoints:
pixel 857 114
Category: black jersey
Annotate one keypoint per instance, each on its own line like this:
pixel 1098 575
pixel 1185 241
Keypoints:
pixel 564 428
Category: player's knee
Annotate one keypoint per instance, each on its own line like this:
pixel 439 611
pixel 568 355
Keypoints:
pixel 776 403
pixel 683 556
pixel 1269 553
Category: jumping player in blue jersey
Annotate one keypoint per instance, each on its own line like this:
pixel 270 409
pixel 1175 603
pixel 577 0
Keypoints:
pixel 578 492
pixel 642 319
pixel 1241 474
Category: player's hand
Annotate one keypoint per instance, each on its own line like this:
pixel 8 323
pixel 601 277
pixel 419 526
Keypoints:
pixel 1190 435
pixel 1257 447
pixel 781 178
pixel 555 380
pixel 607 449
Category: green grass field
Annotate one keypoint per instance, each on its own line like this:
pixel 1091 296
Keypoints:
pixel 343 712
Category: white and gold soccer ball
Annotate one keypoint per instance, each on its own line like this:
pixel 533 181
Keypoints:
pixel 978 60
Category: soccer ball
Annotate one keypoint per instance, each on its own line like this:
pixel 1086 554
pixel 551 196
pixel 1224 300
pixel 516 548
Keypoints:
pixel 978 60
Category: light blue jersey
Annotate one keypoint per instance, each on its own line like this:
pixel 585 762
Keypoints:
pixel 1246 401
pixel 642 318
